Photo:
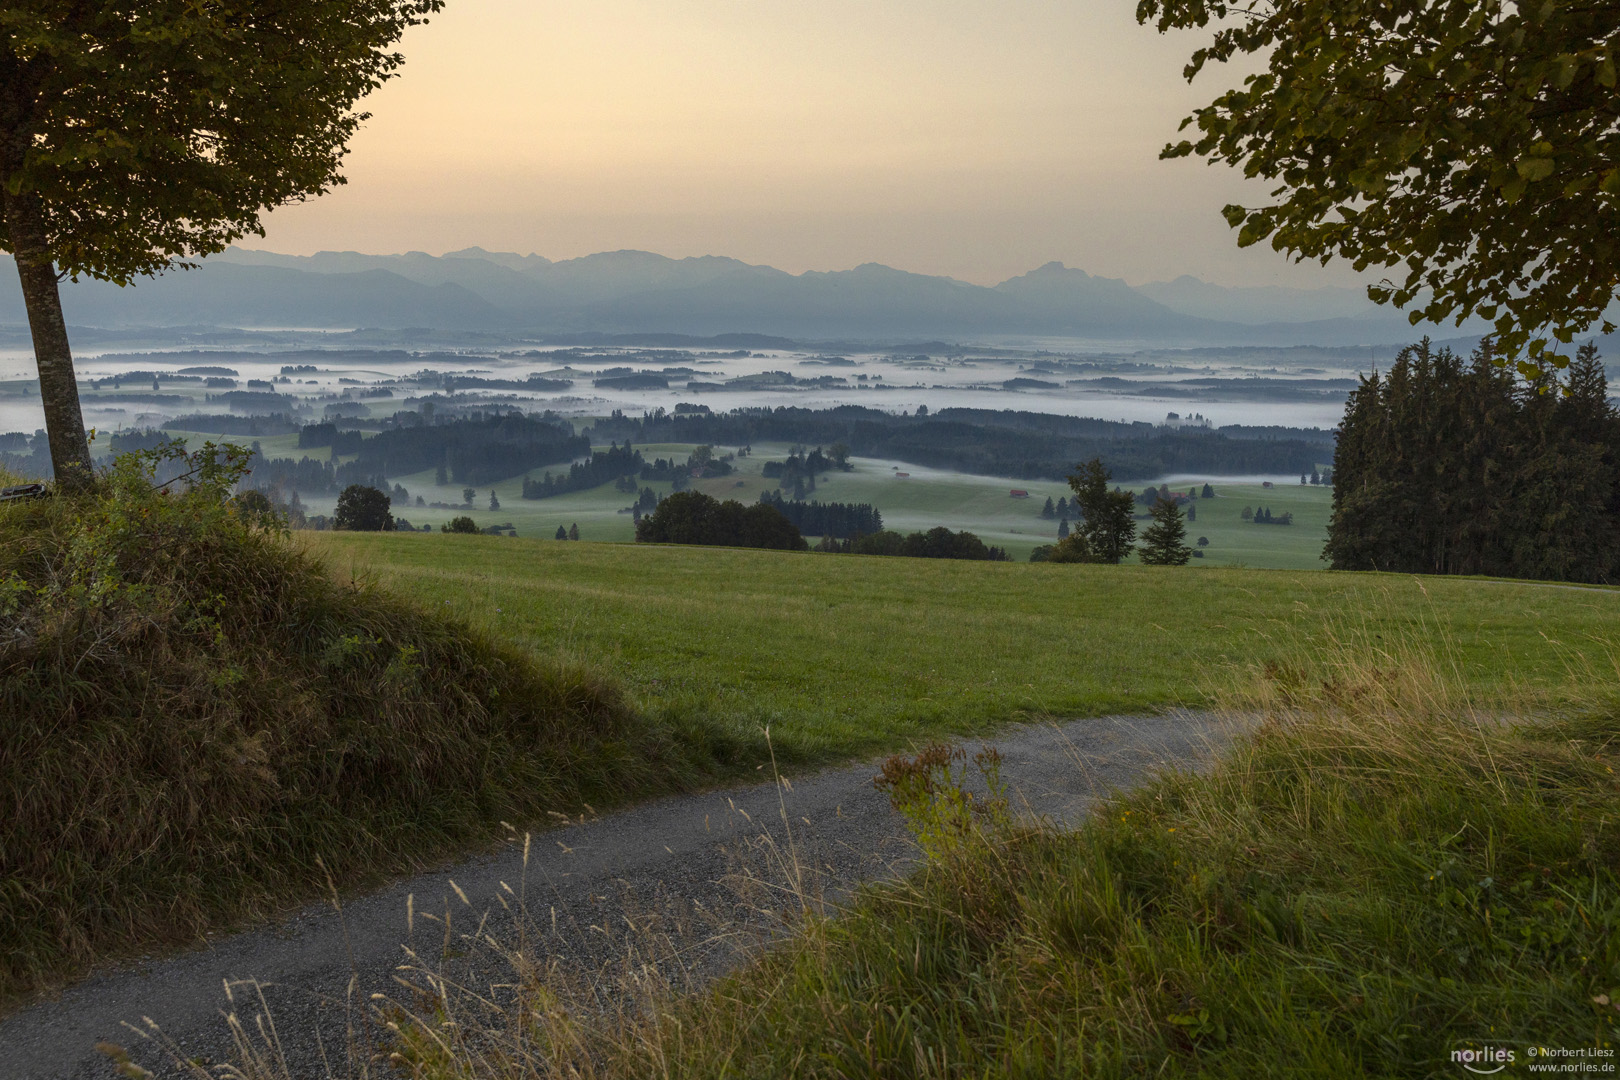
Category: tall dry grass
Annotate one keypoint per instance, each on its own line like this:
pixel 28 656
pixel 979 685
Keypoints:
pixel 1381 872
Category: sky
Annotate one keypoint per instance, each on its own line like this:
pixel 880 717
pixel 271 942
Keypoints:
pixel 976 140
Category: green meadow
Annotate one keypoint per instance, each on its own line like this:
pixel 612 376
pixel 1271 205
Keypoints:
pixel 843 655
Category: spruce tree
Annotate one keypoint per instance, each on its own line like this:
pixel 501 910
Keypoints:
pixel 1164 543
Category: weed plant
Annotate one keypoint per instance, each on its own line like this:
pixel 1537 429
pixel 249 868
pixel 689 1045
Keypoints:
pixel 195 716
pixel 1377 877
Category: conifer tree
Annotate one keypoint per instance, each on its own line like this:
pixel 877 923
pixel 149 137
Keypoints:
pixel 1164 543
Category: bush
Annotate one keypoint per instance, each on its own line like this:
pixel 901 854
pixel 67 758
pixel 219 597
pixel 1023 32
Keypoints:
pixel 195 713
pixel 1072 549
pixel 460 524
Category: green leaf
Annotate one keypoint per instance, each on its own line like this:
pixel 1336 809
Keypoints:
pixel 1567 66
pixel 1535 168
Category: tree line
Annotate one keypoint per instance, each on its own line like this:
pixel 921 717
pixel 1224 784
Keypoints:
pixel 843 521
pixel 614 463
pixel 937 543
pixel 987 442
pixel 691 517
pixel 1454 466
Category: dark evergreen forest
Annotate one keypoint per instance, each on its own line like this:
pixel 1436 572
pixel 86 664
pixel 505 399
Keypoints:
pixel 613 463
pixel 1032 446
pixel 1454 466
pixel 841 520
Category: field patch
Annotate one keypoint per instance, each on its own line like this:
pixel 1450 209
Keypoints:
pixel 844 655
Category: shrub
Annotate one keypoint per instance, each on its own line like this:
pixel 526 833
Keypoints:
pixel 460 524
pixel 1071 549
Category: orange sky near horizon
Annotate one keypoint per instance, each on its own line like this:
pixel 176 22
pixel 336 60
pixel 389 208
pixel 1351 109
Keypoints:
pixel 974 140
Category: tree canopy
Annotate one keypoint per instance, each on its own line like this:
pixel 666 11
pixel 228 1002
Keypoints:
pixel 363 509
pixel 1470 148
pixel 1106 529
pixel 138 133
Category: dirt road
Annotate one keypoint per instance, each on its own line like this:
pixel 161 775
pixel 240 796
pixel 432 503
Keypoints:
pixel 676 856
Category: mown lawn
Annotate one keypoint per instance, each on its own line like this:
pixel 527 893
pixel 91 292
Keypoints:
pixel 846 655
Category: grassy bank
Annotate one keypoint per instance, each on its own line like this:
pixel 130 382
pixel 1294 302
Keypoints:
pixel 1380 878
pixel 845 655
pixel 200 724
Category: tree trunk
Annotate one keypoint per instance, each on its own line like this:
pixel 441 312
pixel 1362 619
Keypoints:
pixel 58 388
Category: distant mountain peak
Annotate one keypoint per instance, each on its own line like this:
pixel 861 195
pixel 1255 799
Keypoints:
pixel 509 259
pixel 634 291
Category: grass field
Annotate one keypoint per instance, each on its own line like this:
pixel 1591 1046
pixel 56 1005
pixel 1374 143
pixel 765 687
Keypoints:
pixel 918 500
pixel 844 655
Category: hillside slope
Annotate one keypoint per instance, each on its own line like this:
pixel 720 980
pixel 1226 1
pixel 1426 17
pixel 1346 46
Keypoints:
pixel 202 725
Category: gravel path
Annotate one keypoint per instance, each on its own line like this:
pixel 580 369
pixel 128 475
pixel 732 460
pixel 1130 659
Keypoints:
pixel 679 860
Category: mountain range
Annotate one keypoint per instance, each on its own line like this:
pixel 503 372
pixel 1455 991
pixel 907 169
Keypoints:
pixel 640 292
